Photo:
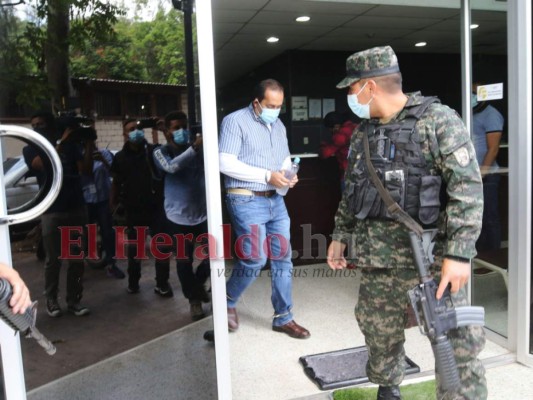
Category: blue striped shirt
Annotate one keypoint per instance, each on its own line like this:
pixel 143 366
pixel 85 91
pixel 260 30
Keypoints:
pixel 245 135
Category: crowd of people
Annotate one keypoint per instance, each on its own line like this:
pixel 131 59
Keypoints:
pixel 420 142
pixel 148 188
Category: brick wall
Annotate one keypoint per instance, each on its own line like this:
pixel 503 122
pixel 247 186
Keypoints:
pixel 109 136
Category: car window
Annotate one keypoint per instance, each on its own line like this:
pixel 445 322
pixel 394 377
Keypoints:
pixel 8 164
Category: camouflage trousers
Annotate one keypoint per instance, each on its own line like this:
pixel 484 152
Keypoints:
pixel 381 314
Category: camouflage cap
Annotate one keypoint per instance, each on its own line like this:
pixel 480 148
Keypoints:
pixel 376 61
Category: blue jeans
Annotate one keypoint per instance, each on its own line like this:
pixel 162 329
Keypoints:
pixel 262 229
pixel 490 236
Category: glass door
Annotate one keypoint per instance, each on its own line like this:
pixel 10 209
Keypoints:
pixel 490 137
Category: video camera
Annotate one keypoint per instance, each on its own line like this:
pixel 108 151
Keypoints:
pixel 81 125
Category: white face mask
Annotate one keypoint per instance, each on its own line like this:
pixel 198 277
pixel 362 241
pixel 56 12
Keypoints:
pixel 269 115
pixel 361 110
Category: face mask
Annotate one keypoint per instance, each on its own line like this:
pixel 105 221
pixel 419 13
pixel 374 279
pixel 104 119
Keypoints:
pixel 269 115
pixel 473 100
pixel 136 136
pixel 181 136
pixel 361 110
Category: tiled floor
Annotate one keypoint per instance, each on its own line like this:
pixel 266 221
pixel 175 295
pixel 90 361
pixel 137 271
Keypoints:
pixel 118 321
pixel 180 365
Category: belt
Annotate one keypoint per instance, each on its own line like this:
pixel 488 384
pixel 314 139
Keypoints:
pixel 246 192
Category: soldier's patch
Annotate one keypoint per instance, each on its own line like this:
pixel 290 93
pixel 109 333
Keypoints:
pixel 462 156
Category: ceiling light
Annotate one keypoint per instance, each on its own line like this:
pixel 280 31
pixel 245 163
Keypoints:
pixel 474 26
pixel 303 18
pixel 272 39
pixel 420 44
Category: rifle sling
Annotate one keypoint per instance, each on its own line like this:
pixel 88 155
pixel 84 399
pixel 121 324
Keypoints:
pixel 393 207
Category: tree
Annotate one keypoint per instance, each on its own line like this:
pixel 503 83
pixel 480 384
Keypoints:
pixel 53 26
pixel 140 50
pixel 115 59
pixel 161 45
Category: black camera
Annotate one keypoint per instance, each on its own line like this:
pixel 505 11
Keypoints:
pixel 150 122
pixel 81 125
pixel 195 128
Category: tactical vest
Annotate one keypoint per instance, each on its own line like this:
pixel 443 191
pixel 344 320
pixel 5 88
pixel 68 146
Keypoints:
pixel 398 160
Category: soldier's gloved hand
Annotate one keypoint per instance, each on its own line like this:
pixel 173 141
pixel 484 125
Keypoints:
pixel 456 273
pixel 336 258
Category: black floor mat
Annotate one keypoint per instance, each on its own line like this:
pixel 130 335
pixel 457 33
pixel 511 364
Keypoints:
pixel 342 368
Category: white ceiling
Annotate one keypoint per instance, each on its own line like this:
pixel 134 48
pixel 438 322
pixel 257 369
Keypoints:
pixel 240 29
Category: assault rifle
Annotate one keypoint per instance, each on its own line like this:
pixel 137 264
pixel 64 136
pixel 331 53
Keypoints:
pixel 438 316
pixel 25 323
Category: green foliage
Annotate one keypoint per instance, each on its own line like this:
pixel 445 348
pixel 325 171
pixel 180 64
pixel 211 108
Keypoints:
pixel 23 43
pixel 161 44
pixel 19 75
pixel 140 50
pixel 92 20
pixel 102 43
pixel 417 391
pixel 115 59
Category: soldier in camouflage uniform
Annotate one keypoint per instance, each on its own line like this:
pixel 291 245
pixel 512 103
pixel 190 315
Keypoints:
pixel 381 247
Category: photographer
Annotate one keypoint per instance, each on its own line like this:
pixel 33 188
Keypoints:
pixel 181 160
pixel 69 207
pixel 139 190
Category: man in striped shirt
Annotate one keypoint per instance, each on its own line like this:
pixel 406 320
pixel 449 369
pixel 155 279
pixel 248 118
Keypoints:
pixel 253 147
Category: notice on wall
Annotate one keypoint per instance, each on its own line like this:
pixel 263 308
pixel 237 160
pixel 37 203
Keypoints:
pixel 315 109
pixel 299 114
pixel 328 105
pixel 299 102
pixel 490 92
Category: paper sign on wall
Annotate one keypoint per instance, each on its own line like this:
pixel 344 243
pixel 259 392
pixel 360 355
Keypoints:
pixel 315 108
pixel 490 92
pixel 299 115
pixel 299 102
pixel 328 105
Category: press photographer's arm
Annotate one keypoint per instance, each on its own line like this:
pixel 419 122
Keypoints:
pixel 15 308
pixel 20 300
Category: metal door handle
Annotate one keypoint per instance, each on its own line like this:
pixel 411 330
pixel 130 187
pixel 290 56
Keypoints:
pixel 32 137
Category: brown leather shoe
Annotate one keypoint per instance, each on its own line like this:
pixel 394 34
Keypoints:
pixel 233 319
pixel 293 330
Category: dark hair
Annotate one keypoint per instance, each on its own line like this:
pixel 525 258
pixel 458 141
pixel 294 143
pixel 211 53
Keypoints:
pixel 127 121
pixel 261 88
pixel 48 118
pixel 391 83
pixel 174 115
pixel 333 118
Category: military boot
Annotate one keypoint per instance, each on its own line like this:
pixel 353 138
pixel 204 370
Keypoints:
pixel 389 393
